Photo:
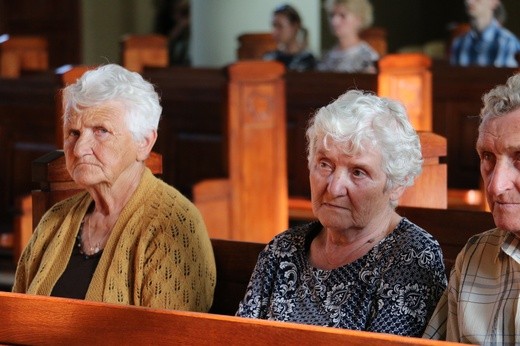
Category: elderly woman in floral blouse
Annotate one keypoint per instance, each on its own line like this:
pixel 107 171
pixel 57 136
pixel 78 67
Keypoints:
pixel 360 266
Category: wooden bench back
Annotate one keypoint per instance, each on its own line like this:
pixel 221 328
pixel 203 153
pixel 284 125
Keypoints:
pixel 407 77
pixel 252 204
pixel 253 46
pixel 38 320
pixel 140 51
pixel 19 53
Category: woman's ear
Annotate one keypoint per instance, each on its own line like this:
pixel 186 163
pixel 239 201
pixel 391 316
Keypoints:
pixel 145 145
pixel 396 192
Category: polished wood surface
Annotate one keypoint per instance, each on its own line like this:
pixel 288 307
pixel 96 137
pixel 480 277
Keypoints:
pixel 140 51
pixel 407 77
pixel 37 320
pixel 253 46
pixel 457 100
pixel 20 53
pixel 253 206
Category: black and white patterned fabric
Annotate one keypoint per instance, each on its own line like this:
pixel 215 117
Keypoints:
pixel 394 288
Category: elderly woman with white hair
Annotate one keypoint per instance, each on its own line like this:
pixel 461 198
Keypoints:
pixel 360 266
pixel 129 238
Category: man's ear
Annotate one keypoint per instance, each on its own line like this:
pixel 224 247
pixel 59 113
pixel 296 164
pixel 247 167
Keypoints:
pixel 145 145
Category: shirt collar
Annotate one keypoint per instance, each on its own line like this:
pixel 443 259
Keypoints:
pixel 488 34
pixel 511 246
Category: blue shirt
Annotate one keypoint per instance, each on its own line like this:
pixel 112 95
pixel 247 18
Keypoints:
pixel 494 46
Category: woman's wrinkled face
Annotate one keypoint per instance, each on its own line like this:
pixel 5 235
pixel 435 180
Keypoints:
pixel 284 31
pixel 98 145
pixel 344 22
pixel 347 192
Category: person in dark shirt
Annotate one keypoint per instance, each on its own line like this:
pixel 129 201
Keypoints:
pixel 291 39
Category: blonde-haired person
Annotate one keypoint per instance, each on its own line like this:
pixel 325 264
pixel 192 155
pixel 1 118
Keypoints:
pixel 351 54
pixel 360 266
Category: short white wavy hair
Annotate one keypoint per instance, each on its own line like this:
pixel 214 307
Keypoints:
pixel 357 119
pixel 112 82
pixel 501 100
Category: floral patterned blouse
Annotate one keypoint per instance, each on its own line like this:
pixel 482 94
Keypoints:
pixel 393 289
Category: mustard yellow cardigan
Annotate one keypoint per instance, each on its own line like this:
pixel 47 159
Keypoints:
pixel 157 255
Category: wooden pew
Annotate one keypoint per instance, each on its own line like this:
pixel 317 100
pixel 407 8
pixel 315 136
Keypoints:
pixel 253 46
pixel 22 53
pixel 58 321
pixel 27 131
pixel 407 77
pixel 139 51
pixel 457 99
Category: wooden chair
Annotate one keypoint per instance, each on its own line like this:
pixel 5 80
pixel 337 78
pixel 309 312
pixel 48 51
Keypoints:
pixel 407 77
pixel 140 51
pixel 253 46
pixel 251 205
pixel 376 37
pixel 22 53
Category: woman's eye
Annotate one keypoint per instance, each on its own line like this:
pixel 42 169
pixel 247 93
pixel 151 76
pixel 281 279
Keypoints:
pixel 101 131
pixel 73 133
pixel 358 173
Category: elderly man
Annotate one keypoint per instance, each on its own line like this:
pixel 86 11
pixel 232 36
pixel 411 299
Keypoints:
pixel 480 305
pixel 487 43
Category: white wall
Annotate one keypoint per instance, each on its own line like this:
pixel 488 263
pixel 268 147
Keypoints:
pixel 216 25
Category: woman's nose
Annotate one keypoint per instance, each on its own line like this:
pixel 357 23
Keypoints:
pixel 83 144
pixel 338 183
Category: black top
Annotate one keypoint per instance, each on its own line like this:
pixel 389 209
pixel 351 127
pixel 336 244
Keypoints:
pixel 75 280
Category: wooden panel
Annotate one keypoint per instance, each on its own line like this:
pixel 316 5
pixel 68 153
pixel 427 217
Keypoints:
pixel 257 147
pixel 457 95
pixel 253 46
pixel 430 189
pixel 59 21
pixel 140 51
pixel 191 132
pixel 407 78
pixel 235 261
pixel 57 321
pixel 27 131
pixel 22 53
